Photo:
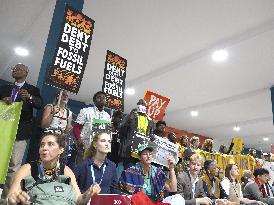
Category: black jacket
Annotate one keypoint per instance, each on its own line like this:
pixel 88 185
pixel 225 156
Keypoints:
pixel 127 129
pixel 26 118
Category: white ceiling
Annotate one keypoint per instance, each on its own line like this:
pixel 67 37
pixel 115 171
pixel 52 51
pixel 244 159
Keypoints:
pixel 168 46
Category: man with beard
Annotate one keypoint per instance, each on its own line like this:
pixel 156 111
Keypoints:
pixel 89 118
pixel 30 96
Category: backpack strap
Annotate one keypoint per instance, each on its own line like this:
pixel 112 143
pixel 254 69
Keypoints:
pixel 34 169
pixel 62 168
pixel 28 182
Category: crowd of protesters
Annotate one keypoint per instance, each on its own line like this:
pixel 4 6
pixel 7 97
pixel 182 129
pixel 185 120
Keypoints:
pixel 103 161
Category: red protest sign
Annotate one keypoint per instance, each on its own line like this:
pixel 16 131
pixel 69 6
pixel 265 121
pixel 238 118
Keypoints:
pixel 110 199
pixel 157 105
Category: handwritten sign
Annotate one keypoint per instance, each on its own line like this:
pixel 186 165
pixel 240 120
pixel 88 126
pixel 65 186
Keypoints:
pixel 164 149
pixel 72 51
pixel 157 105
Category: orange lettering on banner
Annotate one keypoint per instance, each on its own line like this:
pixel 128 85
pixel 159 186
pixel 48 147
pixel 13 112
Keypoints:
pixel 157 105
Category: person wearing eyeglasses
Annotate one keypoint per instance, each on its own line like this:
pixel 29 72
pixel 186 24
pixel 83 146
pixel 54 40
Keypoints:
pixel 19 91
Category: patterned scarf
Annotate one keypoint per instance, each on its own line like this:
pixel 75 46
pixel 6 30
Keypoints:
pixel 132 181
pixel 261 188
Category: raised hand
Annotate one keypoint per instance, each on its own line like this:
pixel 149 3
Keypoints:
pixel 171 162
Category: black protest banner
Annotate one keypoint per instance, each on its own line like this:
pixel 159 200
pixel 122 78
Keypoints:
pixel 114 80
pixel 71 54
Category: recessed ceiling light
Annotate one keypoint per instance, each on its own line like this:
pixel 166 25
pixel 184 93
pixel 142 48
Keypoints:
pixel 265 138
pixel 130 91
pixel 194 113
pixel 219 55
pixel 21 51
pixel 236 128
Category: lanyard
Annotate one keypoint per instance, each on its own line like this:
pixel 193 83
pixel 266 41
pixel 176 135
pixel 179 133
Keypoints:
pixel 95 113
pixel 93 176
pixel 213 187
pixel 14 92
pixel 193 189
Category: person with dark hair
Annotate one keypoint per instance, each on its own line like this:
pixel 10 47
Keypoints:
pixel 268 187
pixel 207 145
pixel 136 122
pixel 253 152
pixel 88 117
pixel 48 181
pixel 116 120
pixel 20 91
pixel 193 145
pixel 171 137
pixel 160 128
pixel 211 183
pixel 190 186
pixel 183 146
pixel 184 141
pixel 96 168
pixel 255 189
pixel 223 149
pixel 233 187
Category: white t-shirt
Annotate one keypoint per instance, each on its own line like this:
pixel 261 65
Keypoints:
pixel 85 118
